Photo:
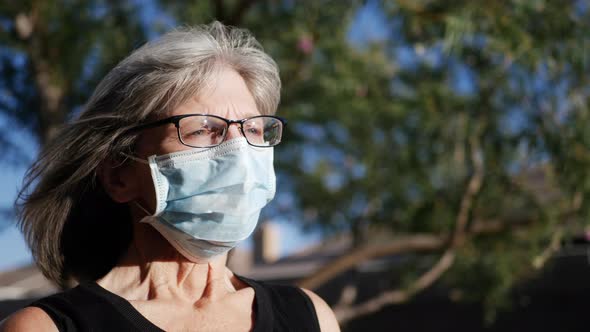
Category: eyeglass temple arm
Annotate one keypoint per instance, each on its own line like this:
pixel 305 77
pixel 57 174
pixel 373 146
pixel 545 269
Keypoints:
pixel 135 158
pixel 155 124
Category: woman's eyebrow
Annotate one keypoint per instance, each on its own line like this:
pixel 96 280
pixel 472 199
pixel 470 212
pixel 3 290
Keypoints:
pixel 251 115
pixel 246 115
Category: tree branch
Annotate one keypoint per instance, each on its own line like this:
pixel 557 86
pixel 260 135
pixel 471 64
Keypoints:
pixel 420 243
pixel 346 312
pixel 473 187
pixel 51 114
pixel 412 243
pixel 554 245
pixel 23 25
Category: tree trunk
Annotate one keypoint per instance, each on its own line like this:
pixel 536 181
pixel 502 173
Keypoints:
pixel 51 109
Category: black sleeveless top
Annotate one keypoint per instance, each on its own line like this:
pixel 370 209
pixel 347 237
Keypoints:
pixel 89 307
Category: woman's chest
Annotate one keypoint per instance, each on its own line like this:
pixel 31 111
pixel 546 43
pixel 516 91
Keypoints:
pixel 230 313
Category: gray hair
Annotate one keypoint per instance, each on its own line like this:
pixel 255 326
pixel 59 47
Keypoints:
pixel 74 229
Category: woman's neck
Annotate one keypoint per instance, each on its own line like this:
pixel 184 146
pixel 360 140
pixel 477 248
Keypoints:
pixel 152 269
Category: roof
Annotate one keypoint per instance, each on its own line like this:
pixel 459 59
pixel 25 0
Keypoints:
pixel 24 282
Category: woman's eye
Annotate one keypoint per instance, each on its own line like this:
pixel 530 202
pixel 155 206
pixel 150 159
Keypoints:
pixel 253 131
pixel 200 132
pixel 207 132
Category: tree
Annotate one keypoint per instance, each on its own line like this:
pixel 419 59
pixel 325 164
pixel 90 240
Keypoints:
pixel 457 126
pixel 54 53
pixel 449 139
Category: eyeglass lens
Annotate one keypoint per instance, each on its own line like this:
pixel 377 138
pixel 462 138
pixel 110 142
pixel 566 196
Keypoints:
pixel 207 131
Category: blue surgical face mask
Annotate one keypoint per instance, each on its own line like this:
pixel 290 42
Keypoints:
pixel 208 200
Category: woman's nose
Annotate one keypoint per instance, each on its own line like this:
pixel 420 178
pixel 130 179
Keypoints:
pixel 233 131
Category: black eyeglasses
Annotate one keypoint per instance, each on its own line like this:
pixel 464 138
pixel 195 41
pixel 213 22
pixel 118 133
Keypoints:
pixel 205 130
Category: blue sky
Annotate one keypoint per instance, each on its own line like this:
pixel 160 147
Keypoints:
pixel 14 251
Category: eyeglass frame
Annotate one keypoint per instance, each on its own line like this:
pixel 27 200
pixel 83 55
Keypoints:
pixel 176 121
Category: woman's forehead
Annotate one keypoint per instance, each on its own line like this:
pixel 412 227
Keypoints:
pixel 226 95
pixel 229 110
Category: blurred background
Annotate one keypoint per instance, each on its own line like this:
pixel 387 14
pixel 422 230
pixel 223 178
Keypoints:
pixel 434 176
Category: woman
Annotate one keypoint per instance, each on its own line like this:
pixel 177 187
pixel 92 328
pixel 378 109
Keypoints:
pixel 140 199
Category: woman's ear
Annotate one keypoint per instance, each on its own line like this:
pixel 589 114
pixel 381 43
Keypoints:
pixel 116 177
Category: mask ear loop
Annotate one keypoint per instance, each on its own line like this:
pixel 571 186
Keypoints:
pixel 134 158
pixel 145 162
pixel 147 213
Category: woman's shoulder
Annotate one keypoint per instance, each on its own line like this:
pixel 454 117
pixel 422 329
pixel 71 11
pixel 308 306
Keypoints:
pixel 28 319
pixel 297 301
pixel 326 317
pixel 43 314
